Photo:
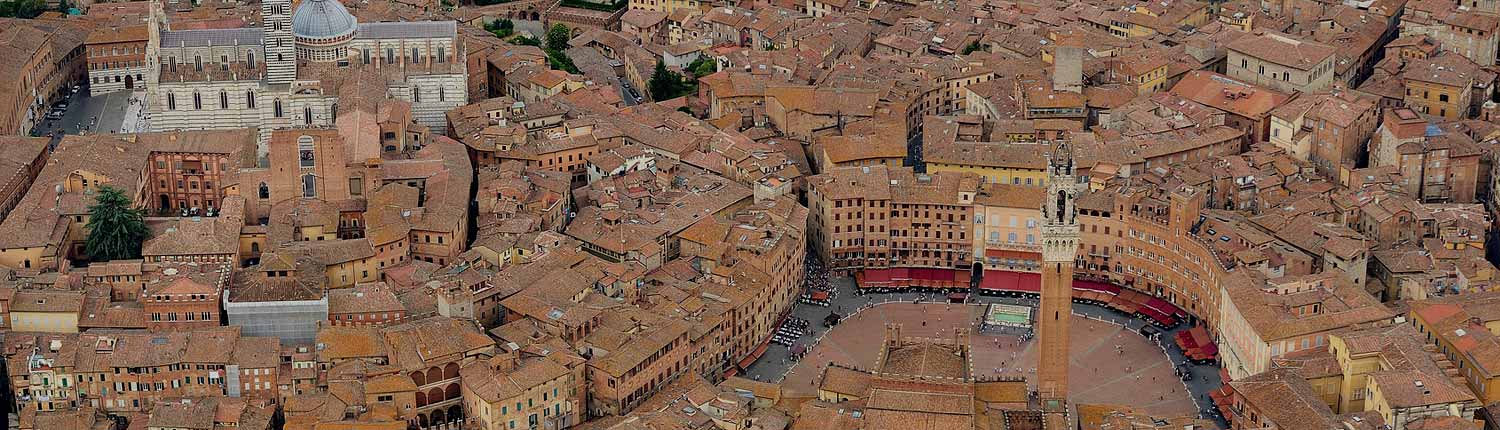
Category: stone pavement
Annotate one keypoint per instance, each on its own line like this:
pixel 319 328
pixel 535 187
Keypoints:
pixel 1100 373
pixel 104 113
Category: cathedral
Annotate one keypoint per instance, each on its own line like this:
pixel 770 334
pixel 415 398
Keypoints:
pixel 296 67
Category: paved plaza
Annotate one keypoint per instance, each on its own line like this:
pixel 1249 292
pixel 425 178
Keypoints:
pixel 1111 362
pixel 115 112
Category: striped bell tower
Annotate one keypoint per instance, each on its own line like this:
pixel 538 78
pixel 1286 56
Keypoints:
pixel 279 46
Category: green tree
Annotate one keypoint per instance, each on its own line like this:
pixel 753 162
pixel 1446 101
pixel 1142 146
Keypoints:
pixel 973 46
pixel 501 28
pixel 663 82
pixel 22 8
pixel 561 61
pixel 557 37
pixel 703 66
pixel 666 84
pixel 116 229
pixel 523 40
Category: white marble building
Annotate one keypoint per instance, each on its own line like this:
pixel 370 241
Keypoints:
pixel 290 71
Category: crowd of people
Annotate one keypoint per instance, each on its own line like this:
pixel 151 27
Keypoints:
pixel 819 291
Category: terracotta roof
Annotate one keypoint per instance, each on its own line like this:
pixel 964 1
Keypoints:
pixel 495 385
pixel 841 380
pixel 1283 49
pixel 338 343
pixel 1227 94
pixel 184 414
pixel 364 298
pixel 1285 399
pixel 642 18
pixel 47 301
pixel 422 343
pixel 871 183
pixel 987 154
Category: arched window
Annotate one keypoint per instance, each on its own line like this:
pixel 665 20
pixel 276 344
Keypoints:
pixel 307 115
pixel 250 59
pixel 309 186
pixel 265 192
pixel 305 154
pixel 276 108
pixel 1062 205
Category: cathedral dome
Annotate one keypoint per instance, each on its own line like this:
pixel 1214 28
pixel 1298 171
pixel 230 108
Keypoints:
pixel 318 20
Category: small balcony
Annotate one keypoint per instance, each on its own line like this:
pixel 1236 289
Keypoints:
pixel 1012 246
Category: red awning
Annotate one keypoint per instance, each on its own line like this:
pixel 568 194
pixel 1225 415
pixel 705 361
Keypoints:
pixel 1185 341
pixel 958 296
pixel 1096 286
pixel 1200 338
pixel 820 295
pixel 1031 282
pixel 900 274
pixel 942 275
pixel 999 280
pixel 745 364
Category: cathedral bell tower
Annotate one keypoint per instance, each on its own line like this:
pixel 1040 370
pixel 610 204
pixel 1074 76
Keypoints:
pixel 281 55
pixel 1059 248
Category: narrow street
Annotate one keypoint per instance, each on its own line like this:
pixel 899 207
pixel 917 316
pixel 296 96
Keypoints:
pixel 597 68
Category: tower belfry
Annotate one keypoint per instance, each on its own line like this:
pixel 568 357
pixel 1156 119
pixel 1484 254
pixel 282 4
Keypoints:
pixel 1059 247
pixel 281 58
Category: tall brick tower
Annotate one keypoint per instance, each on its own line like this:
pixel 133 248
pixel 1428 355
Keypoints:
pixel 1059 246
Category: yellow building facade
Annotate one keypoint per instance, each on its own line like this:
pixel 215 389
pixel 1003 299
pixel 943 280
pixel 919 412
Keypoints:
pixel 667 6
pixel 1007 227
pixel 1036 177
pixel 44 322
pixel 1447 101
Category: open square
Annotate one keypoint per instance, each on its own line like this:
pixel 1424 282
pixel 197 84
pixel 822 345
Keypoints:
pixel 1104 356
